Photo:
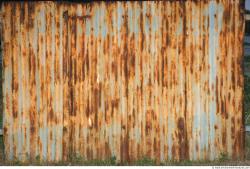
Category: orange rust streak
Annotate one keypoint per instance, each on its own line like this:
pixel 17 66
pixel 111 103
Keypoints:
pixel 132 79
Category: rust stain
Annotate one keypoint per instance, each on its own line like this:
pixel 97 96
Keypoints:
pixel 125 79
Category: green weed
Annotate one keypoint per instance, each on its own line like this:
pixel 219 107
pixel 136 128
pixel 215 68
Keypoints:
pixel 145 161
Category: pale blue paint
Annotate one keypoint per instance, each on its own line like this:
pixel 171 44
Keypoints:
pixel 96 22
pixel 119 15
pixel 130 18
pixel 61 139
pixel 169 137
pixel 146 21
pixel 53 145
pixel 146 26
pixel 88 25
pixel 136 25
pixel 44 142
pixel 220 10
pixel 204 137
pixel 212 74
pixel 195 24
pixel 104 27
pixel 20 100
pixel 37 79
pixel 196 122
pixel 20 137
pixel 180 27
pixel 155 19
pixel 9 120
pixel 41 133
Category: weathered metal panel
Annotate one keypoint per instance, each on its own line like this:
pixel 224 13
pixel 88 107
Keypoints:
pixel 125 79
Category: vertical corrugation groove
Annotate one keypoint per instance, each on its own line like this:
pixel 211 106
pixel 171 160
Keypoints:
pixel 65 84
pixel 33 115
pixel 124 79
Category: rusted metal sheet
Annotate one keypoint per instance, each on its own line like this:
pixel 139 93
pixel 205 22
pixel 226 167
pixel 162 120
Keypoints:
pixel 124 79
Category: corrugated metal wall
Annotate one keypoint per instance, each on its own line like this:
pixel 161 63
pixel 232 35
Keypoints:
pixel 125 79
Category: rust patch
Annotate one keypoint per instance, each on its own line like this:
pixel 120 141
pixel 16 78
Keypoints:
pixel 123 79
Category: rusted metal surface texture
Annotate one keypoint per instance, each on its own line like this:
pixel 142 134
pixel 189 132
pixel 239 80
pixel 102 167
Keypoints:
pixel 124 79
